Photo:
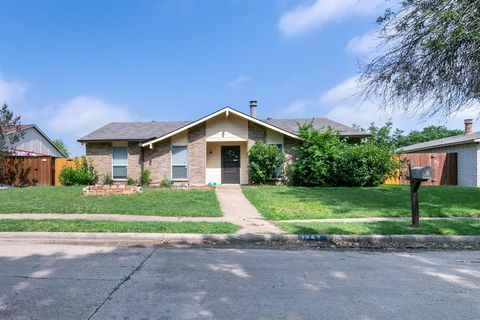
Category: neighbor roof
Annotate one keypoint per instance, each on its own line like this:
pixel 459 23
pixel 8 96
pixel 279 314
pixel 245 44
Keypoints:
pixel 151 132
pixel 445 142
pixel 22 127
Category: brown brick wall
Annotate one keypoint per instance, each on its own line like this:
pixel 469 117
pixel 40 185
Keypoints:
pixel 256 132
pixel 288 144
pixel 134 163
pixel 197 154
pixel 158 161
pixel 101 156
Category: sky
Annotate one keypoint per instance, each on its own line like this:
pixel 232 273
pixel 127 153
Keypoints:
pixel 74 66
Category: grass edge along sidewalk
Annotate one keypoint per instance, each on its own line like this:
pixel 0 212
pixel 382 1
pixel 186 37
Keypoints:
pixel 60 225
pixel 446 227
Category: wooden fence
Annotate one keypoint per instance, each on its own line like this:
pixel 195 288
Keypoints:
pixel 444 168
pixel 33 171
pixel 27 171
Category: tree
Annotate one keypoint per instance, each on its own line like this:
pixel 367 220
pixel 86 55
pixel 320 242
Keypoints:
pixel 429 57
pixel 60 145
pixel 426 134
pixel 10 132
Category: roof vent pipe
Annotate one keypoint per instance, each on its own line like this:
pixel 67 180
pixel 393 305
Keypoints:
pixel 253 109
pixel 468 126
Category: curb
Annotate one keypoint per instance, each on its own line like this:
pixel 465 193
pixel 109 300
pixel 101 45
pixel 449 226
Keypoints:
pixel 251 240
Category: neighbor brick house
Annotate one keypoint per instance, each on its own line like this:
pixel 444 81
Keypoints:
pixel 212 149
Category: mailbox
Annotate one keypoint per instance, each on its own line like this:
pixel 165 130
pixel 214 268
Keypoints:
pixel 421 173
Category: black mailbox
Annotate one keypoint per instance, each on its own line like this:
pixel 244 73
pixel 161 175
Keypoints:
pixel 421 173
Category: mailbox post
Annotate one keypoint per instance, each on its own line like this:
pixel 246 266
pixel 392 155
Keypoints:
pixel 417 175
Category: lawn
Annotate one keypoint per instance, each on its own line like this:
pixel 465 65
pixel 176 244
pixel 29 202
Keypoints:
pixel 439 227
pixel 159 202
pixel 284 203
pixel 58 225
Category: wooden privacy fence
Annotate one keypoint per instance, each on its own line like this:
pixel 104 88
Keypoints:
pixel 33 171
pixel 444 168
pixel 28 171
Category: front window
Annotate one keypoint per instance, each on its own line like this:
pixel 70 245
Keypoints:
pixel 120 162
pixel 179 163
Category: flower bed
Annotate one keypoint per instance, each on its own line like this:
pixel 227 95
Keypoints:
pixel 111 190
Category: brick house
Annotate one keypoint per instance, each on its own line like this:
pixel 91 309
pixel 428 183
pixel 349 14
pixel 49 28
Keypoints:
pixel 212 149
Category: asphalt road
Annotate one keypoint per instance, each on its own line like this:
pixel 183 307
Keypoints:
pixel 39 281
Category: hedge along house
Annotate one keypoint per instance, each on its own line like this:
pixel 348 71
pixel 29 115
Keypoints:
pixel 212 149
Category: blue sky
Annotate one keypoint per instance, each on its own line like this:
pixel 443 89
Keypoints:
pixel 73 66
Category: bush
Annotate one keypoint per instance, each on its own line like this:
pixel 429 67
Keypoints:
pixel 145 179
pixel 325 159
pixel 364 165
pixel 82 174
pixel 315 160
pixel 166 183
pixel 265 163
pixel 107 179
pixel 131 181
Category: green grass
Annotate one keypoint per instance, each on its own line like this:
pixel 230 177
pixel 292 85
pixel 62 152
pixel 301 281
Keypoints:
pixel 159 202
pixel 439 227
pixel 58 225
pixel 284 203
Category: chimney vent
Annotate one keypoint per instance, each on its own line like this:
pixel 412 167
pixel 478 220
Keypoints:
pixel 253 109
pixel 468 126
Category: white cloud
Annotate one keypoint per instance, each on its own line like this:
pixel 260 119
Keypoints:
pixel 238 81
pixel 343 103
pixel 83 114
pixel 363 44
pixel 12 90
pixel 306 18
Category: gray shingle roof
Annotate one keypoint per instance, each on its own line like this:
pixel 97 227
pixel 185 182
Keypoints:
pixel 291 125
pixel 133 131
pixel 143 131
pixel 445 142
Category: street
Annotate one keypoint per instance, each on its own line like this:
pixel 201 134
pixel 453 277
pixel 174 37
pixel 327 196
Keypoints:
pixel 54 281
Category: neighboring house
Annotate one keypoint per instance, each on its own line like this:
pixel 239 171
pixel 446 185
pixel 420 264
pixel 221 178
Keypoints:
pixel 34 143
pixel 212 149
pixel 467 148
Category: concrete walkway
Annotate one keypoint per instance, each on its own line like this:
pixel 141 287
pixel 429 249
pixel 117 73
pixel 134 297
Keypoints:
pixel 238 210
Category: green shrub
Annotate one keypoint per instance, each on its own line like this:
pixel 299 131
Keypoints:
pixel 316 158
pixel 107 179
pixel 364 165
pixel 166 183
pixel 145 179
pixel 82 174
pixel 131 181
pixel 325 159
pixel 265 163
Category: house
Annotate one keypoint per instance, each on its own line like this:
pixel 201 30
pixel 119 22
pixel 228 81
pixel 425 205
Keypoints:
pixel 212 149
pixel 467 148
pixel 34 143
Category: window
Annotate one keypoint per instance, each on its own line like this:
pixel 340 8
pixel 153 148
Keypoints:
pixel 119 162
pixel 179 163
pixel 279 146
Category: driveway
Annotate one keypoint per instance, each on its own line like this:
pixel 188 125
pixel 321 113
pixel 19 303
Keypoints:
pixel 52 281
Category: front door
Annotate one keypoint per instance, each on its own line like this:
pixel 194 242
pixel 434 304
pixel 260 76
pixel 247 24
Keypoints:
pixel 231 164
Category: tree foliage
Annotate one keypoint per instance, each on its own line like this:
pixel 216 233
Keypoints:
pixel 429 57
pixel 426 134
pixel 10 132
pixel 326 159
pixel 82 174
pixel 265 163
pixel 60 145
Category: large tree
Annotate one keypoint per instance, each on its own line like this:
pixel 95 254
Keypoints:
pixel 429 57
pixel 10 132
